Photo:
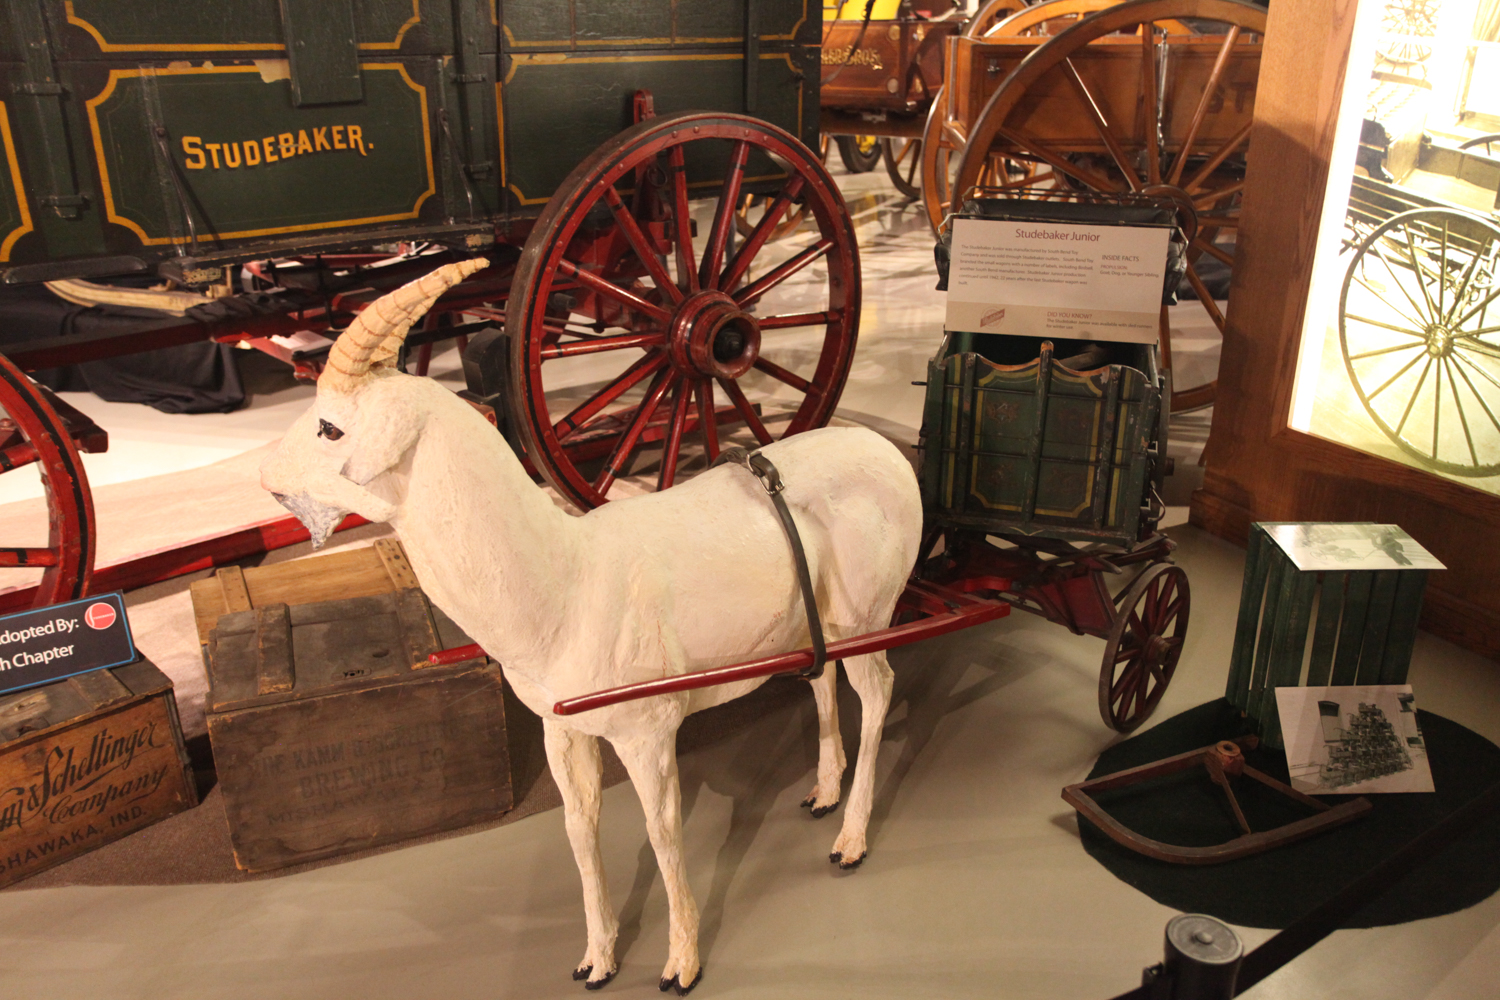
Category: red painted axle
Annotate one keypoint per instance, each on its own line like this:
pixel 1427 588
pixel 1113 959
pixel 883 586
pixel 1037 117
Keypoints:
pixel 959 611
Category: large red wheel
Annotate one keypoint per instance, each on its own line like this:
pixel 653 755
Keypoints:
pixel 32 432
pixel 631 343
pixel 1144 645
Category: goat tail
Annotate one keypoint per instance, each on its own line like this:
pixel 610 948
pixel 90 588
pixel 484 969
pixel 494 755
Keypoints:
pixel 375 336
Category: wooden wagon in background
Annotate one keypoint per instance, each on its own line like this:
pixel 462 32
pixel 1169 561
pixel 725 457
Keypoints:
pixel 293 160
pixel 1154 96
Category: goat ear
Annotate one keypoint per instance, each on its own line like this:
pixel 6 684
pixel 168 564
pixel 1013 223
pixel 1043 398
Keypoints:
pixel 386 433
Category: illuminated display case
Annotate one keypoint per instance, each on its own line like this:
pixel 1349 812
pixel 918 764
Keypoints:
pixel 1360 379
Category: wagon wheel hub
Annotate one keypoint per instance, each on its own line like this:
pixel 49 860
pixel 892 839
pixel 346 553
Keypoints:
pixel 712 337
pixel 1439 340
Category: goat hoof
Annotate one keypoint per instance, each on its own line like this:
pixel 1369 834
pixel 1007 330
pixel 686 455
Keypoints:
pixel 586 971
pixel 818 812
pixel 600 984
pixel 675 984
pixel 847 865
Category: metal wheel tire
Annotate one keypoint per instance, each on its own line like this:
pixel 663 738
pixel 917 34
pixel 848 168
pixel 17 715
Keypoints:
pixel 1203 167
pixel 1144 645
pixel 859 153
pixel 35 433
pixel 1419 328
pixel 989 14
pixel 651 326
pixel 903 159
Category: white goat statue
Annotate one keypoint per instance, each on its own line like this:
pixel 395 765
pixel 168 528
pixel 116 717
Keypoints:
pixel 693 577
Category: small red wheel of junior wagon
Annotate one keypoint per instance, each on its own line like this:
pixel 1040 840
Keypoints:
pixel 32 432
pixel 636 348
pixel 1144 645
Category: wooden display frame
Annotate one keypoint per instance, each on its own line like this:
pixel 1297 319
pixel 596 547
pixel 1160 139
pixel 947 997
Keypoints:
pixel 1258 468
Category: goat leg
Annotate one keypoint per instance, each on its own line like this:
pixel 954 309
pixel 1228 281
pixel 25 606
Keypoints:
pixel 651 761
pixel 574 760
pixel 871 676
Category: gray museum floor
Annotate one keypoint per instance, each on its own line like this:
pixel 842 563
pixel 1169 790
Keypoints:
pixel 976 884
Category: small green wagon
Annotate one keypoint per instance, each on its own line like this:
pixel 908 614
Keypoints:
pixel 1042 467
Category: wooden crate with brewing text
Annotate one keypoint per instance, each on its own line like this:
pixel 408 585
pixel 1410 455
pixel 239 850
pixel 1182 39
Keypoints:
pixel 330 731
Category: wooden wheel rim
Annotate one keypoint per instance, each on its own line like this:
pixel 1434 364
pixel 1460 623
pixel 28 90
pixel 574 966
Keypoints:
pixel 543 258
pixel 1157 601
pixel 984 133
pixel 69 556
pixel 1443 338
pixel 902 167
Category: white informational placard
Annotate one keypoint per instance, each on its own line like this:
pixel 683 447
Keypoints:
pixel 1049 279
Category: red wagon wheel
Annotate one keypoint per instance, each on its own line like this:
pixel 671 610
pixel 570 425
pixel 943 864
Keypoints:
pixel 1151 618
pixel 626 335
pixel 34 433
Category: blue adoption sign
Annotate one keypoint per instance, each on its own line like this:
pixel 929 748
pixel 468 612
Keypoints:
pixel 47 644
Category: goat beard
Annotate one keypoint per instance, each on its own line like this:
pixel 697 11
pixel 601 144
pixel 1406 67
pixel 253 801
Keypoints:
pixel 324 505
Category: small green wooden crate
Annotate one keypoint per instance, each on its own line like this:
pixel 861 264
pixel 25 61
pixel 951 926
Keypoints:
pixel 1363 622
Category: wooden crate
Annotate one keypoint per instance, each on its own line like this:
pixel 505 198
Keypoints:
pixel 1363 624
pixel 330 732
pixel 85 761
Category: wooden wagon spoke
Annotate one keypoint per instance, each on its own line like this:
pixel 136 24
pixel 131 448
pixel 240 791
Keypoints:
pixel 1126 680
pixel 610 290
pixel 740 262
pixel 1390 381
pixel 620 456
pixel 779 373
pixel 1478 369
pixel 1477 309
pixel 1442 269
pixel 637 240
pixel 1387 326
pixel 18 455
pixel 1213 250
pixel 1195 183
pixel 1201 111
pixel 1462 291
pixel 1386 350
pixel 1204 298
pixel 1411 255
pixel 1410 403
pixel 1478 347
pixel 682 396
pixel 789 320
pixel 586 411
pixel 707 418
pixel 1149 95
pixel 1396 279
pixel 598 345
pixel 752 292
pixel 1468 381
pixel 682 219
pixel 1210 198
pixel 1437 407
pixel 12 558
pixel 718 233
pixel 1101 125
pixel 1463 419
pixel 1054 159
pixel 752 419
pixel 1219 221
pixel 1481 332
pixel 1380 293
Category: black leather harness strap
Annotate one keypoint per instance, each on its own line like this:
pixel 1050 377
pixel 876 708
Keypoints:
pixel 770 479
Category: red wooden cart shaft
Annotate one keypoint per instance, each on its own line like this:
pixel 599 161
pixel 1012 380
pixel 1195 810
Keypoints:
pixel 968 613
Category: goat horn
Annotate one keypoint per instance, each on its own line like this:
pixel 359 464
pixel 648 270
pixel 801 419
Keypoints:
pixel 376 334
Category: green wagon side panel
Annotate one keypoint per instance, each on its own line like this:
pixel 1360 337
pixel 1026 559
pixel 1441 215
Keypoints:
pixel 559 110
pixel 979 468
pixel 189 28
pixel 15 215
pixel 606 23
pixel 253 165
